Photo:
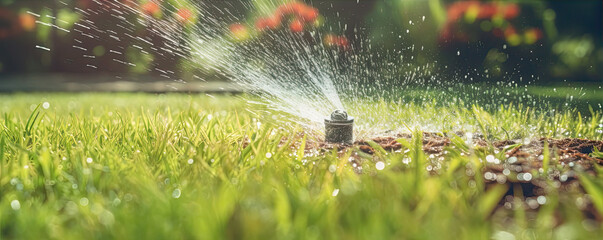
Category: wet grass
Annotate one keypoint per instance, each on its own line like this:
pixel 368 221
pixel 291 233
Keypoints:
pixel 136 166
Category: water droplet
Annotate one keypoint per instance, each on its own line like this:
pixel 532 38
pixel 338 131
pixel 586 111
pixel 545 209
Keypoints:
pixel 106 218
pixel 84 201
pixel 45 105
pixel 176 193
pixel 15 205
pixel 89 160
pixel 332 168
pixel 489 176
pixel 335 192
pixel 191 161
pixel 380 165
pixel 541 200
pixel 458 53
pixel 268 155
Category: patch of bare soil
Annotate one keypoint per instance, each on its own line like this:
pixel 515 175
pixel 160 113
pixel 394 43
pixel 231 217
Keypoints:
pixel 522 160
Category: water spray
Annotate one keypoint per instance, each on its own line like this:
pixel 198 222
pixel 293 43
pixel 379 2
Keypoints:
pixel 339 127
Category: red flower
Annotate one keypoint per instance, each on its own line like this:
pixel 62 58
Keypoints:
pixel 239 31
pixel 330 40
pixel 27 21
pixel 487 11
pixel 150 8
pixel 532 35
pixel 261 23
pixel 536 32
pixel 236 27
pixel 509 31
pixel 184 15
pixel 296 26
pixel 264 23
pixel 511 11
pixel 456 10
pixel 298 9
pixel 309 14
pixel 290 8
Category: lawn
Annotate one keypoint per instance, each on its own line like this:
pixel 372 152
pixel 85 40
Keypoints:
pixel 143 166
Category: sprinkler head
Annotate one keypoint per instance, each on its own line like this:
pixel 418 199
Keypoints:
pixel 339 127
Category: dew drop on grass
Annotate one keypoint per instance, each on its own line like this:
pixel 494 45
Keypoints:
pixel 45 105
pixel 532 203
pixel 15 205
pixel 84 201
pixel 268 155
pixel 332 168
pixel 541 200
pixel 191 161
pixel 380 165
pixel 176 193
pixel 106 218
pixel 89 160
pixel 335 192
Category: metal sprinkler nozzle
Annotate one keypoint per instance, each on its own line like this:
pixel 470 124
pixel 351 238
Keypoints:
pixel 339 127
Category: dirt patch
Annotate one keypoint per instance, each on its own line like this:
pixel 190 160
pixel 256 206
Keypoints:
pixel 521 166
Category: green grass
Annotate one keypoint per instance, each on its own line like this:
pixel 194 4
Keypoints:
pixel 136 166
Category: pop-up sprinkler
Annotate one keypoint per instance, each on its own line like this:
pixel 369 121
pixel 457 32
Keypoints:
pixel 339 127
